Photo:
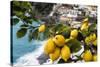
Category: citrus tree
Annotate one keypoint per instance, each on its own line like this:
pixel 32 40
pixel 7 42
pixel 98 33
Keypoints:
pixel 62 39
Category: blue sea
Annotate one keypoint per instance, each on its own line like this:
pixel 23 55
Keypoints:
pixel 21 46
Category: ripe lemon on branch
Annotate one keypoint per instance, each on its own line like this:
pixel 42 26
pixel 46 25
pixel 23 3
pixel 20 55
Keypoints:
pixel 59 40
pixel 95 42
pixel 87 40
pixel 65 53
pixel 41 28
pixel 85 24
pixel 49 47
pixel 91 39
pixel 55 55
pixel 74 33
pixel 92 36
pixel 87 56
pixel 94 57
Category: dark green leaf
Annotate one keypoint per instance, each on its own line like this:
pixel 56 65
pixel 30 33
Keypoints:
pixel 62 28
pixel 35 34
pixel 92 27
pixel 74 45
pixel 24 25
pixel 46 33
pixel 14 21
pixel 58 27
pixel 80 36
pixel 30 36
pixel 85 33
pixel 62 61
pixel 79 57
pixel 29 21
pixel 35 19
pixel 21 33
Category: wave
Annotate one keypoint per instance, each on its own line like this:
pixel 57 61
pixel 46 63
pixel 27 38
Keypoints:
pixel 30 59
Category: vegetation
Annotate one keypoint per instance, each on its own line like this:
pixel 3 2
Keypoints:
pixel 62 39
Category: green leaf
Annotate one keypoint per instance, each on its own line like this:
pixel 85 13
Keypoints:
pixel 85 33
pixel 62 61
pixel 24 25
pixel 29 21
pixel 14 21
pixel 30 37
pixel 92 27
pixel 79 57
pixel 35 34
pixel 46 33
pixel 17 3
pixel 35 19
pixel 61 28
pixel 21 33
pixel 74 45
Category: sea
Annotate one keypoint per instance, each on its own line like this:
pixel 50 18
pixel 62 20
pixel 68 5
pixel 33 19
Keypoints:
pixel 22 48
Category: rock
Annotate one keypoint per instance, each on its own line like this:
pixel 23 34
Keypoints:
pixel 42 58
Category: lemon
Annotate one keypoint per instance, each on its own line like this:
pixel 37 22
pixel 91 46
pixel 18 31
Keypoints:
pixel 90 37
pixel 74 33
pixel 87 56
pixel 55 55
pixel 85 26
pixel 59 40
pixel 93 36
pixel 49 47
pixel 41 28
pixel 95 42
pixel 85 20
pixel 94 57
pixel 65 53
pixel 87 40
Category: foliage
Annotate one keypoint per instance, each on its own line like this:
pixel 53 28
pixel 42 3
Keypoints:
pixel 24 11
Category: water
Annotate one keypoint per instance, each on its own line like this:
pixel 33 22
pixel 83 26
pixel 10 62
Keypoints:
pixel 22 46
pixel 26 53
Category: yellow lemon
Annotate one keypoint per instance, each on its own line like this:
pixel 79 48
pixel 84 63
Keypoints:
pixel 74 33
pixel 85 26
pixel 49 47
pixel 93 36
pixel 95 42
pixel 87 56
pixel 65 53
pixel 59 40
pixel 90 37
pixel 41 28
pixel 94 57
pixel 87 40
pixel 55 55
pixel 85 20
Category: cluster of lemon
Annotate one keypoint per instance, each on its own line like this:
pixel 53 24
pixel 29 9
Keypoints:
pixel 87 56
pixel 91 39
pixel 56 47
